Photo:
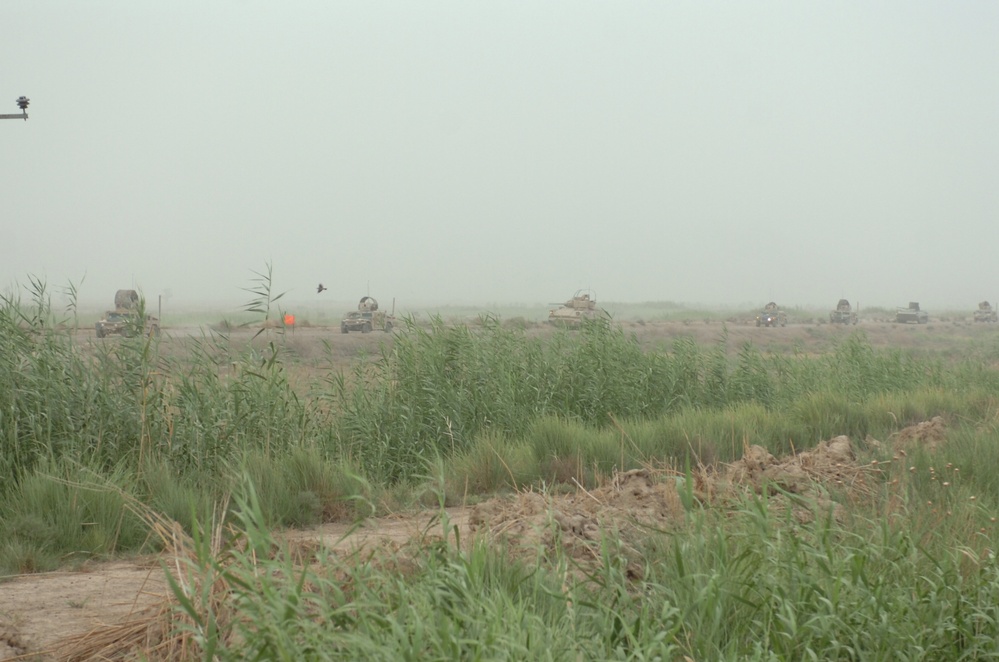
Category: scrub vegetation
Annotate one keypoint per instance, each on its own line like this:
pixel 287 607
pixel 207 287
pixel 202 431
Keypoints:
pixel 106 444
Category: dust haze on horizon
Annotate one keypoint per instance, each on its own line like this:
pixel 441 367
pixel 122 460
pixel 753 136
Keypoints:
pixel 463 152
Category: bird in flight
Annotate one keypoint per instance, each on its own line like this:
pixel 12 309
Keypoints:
pixel 319 290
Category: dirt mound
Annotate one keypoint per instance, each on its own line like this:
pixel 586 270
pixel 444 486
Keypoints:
pixel 829 463
pixel 629 504
pixel 829 467
pixel 635 502
pixel 928 434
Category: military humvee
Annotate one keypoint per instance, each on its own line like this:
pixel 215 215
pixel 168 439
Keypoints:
pixel 127 319
pixel 771 315
pixel 366 318
pixel 843 314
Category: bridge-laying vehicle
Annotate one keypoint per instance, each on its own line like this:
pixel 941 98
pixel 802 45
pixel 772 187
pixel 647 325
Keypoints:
pixel 367 317
pixel 128 318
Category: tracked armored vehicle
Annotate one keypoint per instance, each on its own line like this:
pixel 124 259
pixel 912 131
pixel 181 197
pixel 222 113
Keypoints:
pixel 571 314
pixel 127 319
pixel 986 313
pixel 911 314
pixel 843 314
pixel 367 318
pixel 771 315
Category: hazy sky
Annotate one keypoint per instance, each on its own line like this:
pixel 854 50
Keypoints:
pixel 504 151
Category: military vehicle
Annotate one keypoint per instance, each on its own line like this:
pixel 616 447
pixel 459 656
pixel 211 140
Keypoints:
pixel 771 315
pixel 986 313
pixel 127 318
pixel 843 314
pixel 911 314
pixel 571 314
pixel 367 317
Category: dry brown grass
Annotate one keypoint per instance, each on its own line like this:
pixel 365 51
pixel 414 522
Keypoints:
pixel 163 631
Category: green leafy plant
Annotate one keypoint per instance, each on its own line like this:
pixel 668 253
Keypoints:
pixel 263 295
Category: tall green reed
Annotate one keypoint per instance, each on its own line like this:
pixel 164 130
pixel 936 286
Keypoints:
pixel 439 387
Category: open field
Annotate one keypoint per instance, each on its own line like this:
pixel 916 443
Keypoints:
pixel 307 346
pixel 488 487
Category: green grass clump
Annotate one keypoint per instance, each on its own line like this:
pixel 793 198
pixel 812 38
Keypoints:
pixel 65 513
pixel 494 463
pixel 824 591
pixel 304 488
pixel 182 498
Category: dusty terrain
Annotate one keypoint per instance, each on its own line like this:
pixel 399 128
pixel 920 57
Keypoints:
pixel 39 611
pixel 36 610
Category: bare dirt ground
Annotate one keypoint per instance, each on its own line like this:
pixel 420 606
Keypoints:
pixel 39 611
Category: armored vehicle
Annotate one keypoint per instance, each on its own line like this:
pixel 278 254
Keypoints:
pixel 128 318
pixel 366 318
pixel 986 313
pixel 582 306
pixel 912 314
pixel 843 314
pixel 771 315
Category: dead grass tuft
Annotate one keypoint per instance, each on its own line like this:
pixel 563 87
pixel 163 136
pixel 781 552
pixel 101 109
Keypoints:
pixel 163 631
